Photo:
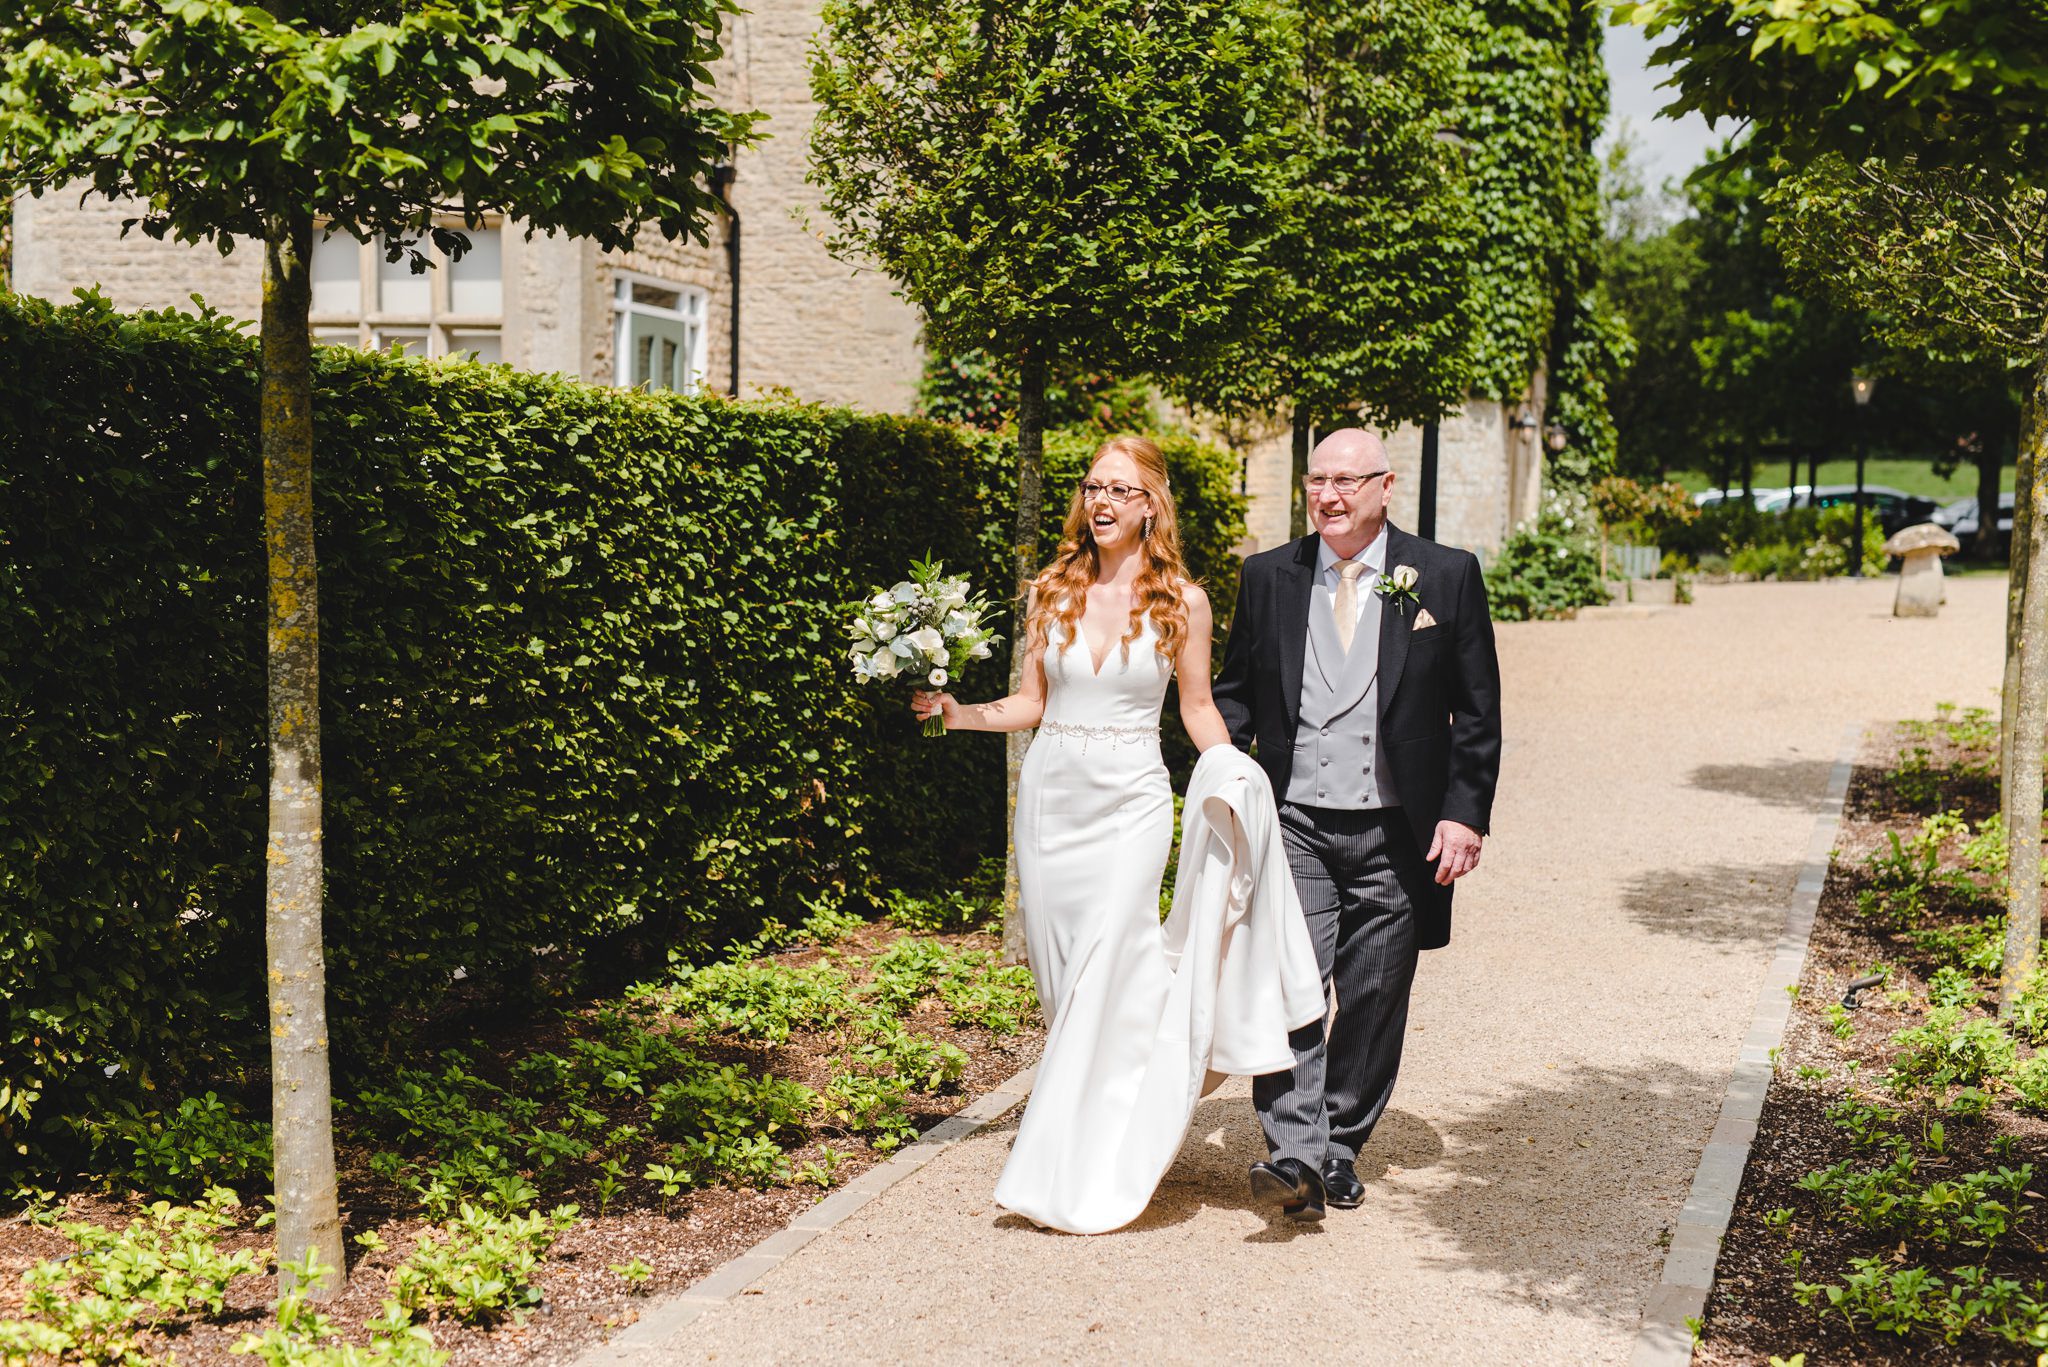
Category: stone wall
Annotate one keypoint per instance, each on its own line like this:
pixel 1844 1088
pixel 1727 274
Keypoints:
pixel 550 287
pixel 807 321
pixel 1489 478
pixel 62 244
pixel 1269 480
pixel 1475 501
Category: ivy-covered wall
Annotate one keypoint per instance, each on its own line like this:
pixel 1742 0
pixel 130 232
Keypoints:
pixel 1535 99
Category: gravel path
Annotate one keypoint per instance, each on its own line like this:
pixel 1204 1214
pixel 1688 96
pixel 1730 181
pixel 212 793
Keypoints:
pixel 1566 1056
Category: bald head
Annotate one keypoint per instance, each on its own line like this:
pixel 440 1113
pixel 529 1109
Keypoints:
pixel 1356 449
pixel 1349 519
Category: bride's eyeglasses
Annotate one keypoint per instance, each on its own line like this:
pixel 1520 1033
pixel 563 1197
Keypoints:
pixel 1118 492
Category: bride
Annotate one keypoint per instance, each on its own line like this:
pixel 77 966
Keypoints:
pixel 1113 618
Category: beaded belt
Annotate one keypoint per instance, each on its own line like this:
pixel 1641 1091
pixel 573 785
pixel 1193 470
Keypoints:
pixel 1115 735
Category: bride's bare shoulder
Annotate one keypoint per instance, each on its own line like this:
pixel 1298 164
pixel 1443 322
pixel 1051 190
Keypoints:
pixel 1193 595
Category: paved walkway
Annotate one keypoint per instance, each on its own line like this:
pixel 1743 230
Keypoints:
pixel 1566 1059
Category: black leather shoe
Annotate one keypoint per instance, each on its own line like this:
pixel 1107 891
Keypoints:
pixel 1341 1184
pixel 1290 1184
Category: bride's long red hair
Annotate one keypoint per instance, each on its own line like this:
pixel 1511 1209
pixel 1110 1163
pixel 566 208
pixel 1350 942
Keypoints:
pixel 1061 588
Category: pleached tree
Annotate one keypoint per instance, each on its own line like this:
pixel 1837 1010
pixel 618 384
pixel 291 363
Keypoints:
pixel 1366 306
pixel 398 122
pixel 1087 181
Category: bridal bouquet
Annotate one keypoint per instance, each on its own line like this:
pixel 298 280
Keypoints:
pixel 920 631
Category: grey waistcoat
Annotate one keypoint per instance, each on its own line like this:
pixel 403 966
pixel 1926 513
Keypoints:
pixel 1336 746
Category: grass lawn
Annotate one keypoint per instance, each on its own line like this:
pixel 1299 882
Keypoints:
pixel 1909 476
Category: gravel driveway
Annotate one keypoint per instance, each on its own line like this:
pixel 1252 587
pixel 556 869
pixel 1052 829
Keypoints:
pixel 1566 1055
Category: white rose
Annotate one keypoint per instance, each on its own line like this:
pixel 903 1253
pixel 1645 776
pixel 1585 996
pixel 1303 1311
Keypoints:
pixel 880 602
pixel 937 678
pixel 885 664
pixel 928 640
pixel 884 631
pixel 1404 576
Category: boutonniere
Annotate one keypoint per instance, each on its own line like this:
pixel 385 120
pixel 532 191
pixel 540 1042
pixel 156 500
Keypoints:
pixel 1398 587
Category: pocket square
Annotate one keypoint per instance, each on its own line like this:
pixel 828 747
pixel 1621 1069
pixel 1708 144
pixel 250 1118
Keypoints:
pixel 1423 619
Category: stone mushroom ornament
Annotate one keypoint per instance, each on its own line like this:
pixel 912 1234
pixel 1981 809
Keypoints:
pixel 1921 548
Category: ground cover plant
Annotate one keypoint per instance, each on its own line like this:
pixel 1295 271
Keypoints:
pixel 1893 1210
pixel 512 1195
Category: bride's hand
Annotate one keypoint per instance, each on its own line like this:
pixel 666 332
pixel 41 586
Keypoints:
pixel 924 703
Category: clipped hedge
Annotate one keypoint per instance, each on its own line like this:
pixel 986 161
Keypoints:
pixel 582 674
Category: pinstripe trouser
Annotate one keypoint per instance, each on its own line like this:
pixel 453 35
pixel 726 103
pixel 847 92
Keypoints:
pixel 1349 868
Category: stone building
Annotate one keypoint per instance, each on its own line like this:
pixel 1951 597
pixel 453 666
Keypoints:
pixel 664 314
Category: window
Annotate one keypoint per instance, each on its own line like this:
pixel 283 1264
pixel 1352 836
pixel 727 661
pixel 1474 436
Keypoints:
pixel 457 308
pixel 660 339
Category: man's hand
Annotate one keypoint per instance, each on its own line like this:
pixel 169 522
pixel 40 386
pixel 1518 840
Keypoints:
pixel 1457 846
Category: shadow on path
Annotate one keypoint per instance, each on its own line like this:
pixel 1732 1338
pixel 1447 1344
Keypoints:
pixel 1562 1191
pixel 1801 784
pixel 1722 904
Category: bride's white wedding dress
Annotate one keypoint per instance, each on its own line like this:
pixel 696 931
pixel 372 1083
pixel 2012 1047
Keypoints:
pixel 1141 1019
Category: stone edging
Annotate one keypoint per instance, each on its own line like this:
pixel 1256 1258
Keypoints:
pixel 639 1342
pixel 1681 1291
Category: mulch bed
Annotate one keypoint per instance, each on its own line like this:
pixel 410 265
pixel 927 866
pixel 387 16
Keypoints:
pixel 584 1301
pixel 1753 1314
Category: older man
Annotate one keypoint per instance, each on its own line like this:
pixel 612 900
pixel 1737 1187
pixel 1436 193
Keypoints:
pixel 1360 671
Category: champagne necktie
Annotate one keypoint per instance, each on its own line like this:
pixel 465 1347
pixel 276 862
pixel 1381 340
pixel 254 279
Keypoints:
pixel 1346 605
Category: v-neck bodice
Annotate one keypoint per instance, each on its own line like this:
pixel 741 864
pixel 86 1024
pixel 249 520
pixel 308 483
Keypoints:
pixel 1126 692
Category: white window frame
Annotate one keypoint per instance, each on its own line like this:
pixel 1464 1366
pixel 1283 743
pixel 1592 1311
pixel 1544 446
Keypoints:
pixel 695 314
pixel 440 323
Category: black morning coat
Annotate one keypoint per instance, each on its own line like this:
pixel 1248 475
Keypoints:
pixel 1439 690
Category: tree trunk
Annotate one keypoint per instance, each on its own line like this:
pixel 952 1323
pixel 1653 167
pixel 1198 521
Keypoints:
pixel 301 1105
pixel 2018 560
pixel 1297 500
pixel 1036 362
pixel 2022 781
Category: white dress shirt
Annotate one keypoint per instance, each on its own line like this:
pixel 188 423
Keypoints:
pixel 1327 578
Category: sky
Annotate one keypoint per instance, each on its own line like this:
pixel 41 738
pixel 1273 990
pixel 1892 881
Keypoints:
pixel 1669 149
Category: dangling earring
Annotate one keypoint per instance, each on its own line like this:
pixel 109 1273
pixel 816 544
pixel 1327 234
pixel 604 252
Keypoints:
pixel 1148 528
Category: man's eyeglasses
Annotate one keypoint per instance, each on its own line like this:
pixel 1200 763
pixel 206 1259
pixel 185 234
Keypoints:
pixel 1344 485
pixel 1118 492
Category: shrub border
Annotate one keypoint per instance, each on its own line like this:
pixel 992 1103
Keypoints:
pixel 1665 1339
pixel 651 1339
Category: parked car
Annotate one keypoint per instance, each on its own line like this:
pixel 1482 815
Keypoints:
pixel 1962 518
pixel 1761 498
pixel 1893 508
pixel 1778 500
